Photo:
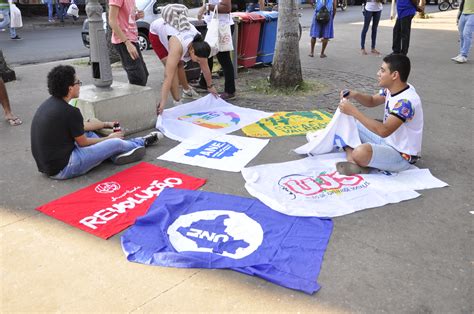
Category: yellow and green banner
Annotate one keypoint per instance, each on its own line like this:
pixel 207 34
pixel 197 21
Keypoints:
pixel 288 123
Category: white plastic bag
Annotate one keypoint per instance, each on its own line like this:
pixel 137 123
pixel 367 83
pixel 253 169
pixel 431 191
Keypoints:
pixel 15 16
pixel 212 35
pixel 73 10
pixel 225 38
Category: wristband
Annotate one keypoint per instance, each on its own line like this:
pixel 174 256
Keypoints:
pixel 209 86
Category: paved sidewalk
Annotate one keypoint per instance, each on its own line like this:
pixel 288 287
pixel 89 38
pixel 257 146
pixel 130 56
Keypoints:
pixel 415 256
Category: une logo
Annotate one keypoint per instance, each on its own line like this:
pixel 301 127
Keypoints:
pixel 221 232
pixel 107 187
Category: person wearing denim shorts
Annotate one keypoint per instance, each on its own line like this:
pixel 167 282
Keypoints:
pixel 63 145
pixel 395 143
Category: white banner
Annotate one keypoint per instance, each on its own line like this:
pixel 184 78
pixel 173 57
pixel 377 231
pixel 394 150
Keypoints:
pixel 227 152
pixel 312 187
pixel 205 118
pixel 341 131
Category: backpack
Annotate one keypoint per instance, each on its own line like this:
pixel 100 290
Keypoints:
pixel 323 15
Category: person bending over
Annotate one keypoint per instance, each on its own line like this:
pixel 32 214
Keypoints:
pixel 395 143
pixel 63 145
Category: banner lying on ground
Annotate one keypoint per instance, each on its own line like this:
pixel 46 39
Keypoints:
pixel 287 123
pixel 227 152
pixel 209 230
pixel 205 118
pixel 341 131
pixel 111 205
pixel 312 187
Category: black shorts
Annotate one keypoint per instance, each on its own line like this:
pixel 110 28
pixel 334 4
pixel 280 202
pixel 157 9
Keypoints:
pixel 137 72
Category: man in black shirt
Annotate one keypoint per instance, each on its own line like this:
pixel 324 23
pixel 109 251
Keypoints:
pixel 63 145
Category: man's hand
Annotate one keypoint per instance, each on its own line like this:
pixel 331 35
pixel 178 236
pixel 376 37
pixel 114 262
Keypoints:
pixel 139 15
pixel 201 12
pixel 348 108
pixel 159 108
pixel 132 50
pixel 341 94
pixel 213 91
pixel 419 9
pixel 115 135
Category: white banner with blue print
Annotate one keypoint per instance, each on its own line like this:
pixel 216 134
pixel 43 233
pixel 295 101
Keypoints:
pixel 205 118
pixel 312 186
pixel 341 131
pixel 226 152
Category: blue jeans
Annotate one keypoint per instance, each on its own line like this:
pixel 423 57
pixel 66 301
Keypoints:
pixel 6 22
pixel 62 10
pixel 375 17
pixel 84 159
pixel 384 157
pixel 49 4
pixel 466 27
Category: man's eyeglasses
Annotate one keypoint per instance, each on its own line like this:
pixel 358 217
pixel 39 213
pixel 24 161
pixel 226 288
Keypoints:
pixel 78 82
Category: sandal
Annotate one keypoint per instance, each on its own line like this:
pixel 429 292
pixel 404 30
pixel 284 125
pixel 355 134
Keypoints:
pixel 349 168
pixel 14 121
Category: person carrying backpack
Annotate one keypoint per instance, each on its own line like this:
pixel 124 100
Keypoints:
pixel 323 24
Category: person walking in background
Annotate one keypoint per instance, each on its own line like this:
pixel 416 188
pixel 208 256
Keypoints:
pixel 5 12
pixel 5 101
pixel 466 28
pixel 223 9
pixel 49 4
pixel 123 15
pixel 372 11
pixel 63 5
pixel 324 31
pixel 406 10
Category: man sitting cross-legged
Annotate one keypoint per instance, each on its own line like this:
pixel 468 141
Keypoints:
pixel 395 143
pixel 62 143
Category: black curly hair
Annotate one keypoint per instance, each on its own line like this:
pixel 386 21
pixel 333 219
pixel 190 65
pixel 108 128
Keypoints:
pixel 59 80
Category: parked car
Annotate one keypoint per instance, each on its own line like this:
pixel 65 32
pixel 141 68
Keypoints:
pixel 152 10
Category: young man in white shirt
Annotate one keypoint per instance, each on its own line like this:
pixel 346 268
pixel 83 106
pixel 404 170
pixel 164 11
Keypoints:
pixel 394 143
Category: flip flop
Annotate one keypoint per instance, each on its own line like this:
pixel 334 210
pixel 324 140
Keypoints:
pixel 14 121
pixel 349 168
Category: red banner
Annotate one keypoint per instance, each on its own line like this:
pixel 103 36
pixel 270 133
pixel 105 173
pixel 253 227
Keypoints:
pixel 111 205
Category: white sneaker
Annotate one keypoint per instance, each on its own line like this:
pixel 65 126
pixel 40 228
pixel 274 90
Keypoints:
pixel 190 93
pixel 177 102
pixel 460 59
pixel 454 58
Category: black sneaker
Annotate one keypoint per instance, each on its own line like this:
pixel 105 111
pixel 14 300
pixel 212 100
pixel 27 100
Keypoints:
pixel 152 138
pixel 17 38
pixel 133 155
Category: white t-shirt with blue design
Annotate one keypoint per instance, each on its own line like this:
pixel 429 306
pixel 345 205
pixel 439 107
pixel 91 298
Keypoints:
pixel 405 105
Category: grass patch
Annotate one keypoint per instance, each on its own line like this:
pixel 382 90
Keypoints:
pixel 81 62
pixel 307 87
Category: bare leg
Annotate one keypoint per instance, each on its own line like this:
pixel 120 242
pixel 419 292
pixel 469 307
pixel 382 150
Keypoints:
pixel 349 151
pixel 174 85
pixel 9 116
pixel 325 44
pixel 313 43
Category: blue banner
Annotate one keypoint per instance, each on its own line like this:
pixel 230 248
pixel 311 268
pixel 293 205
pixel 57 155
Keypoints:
pixel 196 229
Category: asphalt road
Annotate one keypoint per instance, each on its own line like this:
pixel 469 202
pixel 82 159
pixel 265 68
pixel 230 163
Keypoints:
pixel 60 43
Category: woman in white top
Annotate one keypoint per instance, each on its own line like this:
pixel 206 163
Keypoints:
pixel 372 11
pixel 223 9
pixel 176 46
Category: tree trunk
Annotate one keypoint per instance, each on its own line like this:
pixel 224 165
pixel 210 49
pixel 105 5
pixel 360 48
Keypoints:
pixel 6 73
pixel 286 70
